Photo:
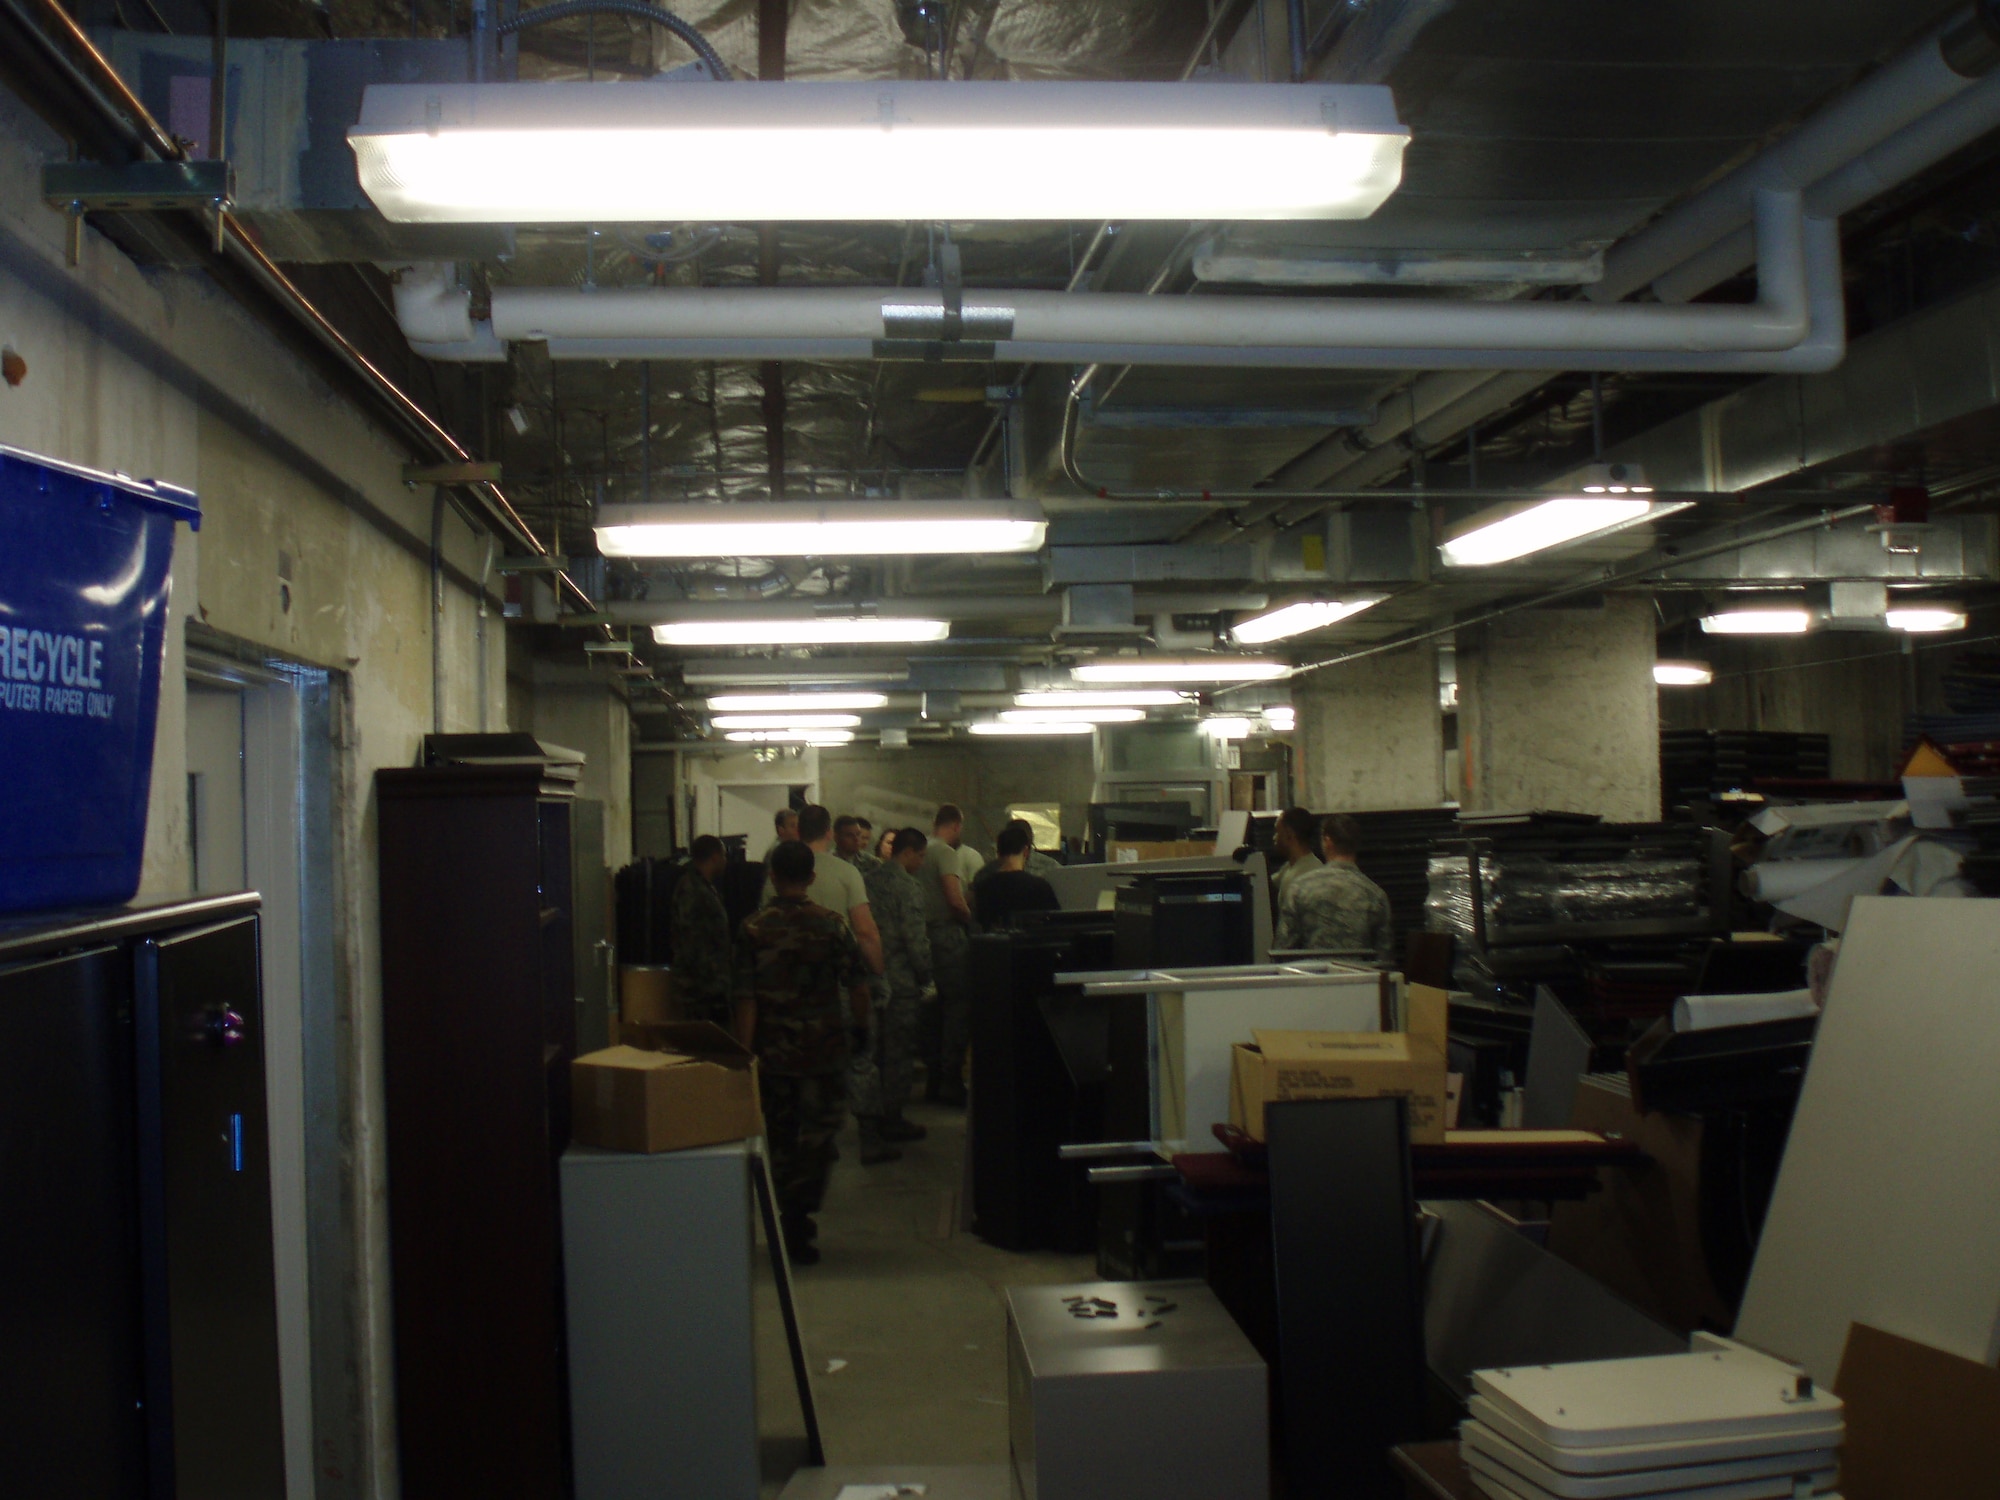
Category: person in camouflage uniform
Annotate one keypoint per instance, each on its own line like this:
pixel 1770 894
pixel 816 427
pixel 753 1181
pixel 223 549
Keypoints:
pixel 801 1005
pixel 898 903
pixel 851 838
pixel 699 936
pixel 1335 906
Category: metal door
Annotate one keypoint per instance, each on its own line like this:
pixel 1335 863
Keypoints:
pixel 71 1365
pixel 213 1385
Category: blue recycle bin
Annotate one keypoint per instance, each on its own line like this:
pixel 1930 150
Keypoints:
pixel 84 560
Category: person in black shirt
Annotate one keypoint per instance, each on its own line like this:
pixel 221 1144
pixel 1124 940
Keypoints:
pixel 1010 889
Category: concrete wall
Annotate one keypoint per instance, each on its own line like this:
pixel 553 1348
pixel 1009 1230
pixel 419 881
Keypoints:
pixel 1557 710
pixel 159 374
pixel 1852 688
pixel 1369 734
pixel 906 786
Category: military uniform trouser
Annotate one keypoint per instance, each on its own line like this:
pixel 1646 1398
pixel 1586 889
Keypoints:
pixel 950 948
pixel 802 1115
pixel 878 1080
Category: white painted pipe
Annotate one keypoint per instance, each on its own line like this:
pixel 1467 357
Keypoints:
pixel 429 308
pixel 1915 148
pixel 1334 328
pixel 1821 348
pixel 1916 82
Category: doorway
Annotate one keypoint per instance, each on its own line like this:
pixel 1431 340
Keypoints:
pixel 259 788
pixel 751 808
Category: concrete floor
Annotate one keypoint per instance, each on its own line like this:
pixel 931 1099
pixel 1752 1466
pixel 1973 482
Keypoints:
pixel 904 1317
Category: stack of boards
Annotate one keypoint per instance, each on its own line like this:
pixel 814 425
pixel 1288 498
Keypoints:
pixel 1720 1423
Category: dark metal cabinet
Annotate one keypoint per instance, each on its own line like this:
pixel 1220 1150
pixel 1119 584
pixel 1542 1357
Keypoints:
pixel 138 1323
pixel 478 1029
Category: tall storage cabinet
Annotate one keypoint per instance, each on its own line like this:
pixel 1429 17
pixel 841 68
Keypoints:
pixel 138 1311
pixel 478 1030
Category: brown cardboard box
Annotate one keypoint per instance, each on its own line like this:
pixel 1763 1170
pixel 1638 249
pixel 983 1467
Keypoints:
pixel 1349 1065
pixel 1921 1424
pixel 693 1086
pixel 1117 852
pixel 646 995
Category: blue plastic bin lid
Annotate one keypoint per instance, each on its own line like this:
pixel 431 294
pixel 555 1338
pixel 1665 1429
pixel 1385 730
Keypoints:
pixel 154 494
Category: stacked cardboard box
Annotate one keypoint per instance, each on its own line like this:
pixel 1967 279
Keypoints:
pixel 1722 1422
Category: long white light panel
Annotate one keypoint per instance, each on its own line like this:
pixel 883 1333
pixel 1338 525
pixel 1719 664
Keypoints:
pixel 547 153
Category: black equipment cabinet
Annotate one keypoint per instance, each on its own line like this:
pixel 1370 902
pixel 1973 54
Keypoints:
pixel 1039 1064
pixel 1191 920
pixel 478 1031
pixel 138 1318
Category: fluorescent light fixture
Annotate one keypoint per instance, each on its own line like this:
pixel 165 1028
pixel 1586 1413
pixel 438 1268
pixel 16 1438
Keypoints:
pixel 1281 717
pixel 815 528
pixel 1295 619
pixel 790 672
pixel 828 630
pixel 790 736
pixel 779 703
pixel 1683 673
pixel 1552 523
pixel 1925 618
pixel 1002 726
pixel 1113 698
pixel 1179 669
pixel 787 721
pixel 887 149
pixel 1072 715
pixel 1758 622
pixel 1226 728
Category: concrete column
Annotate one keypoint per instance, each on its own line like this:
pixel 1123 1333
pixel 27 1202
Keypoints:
pixel 1557 710
pixel 1369 734
pixel 573 707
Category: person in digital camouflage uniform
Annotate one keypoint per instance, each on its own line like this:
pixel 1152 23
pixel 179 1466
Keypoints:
pixel 802 1006
pixel 852 838
pixel 1336 907
pixel 699 936
pixel 946 1027
pixel 898 903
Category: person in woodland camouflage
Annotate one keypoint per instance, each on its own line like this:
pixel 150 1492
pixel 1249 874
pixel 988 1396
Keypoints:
pixel 699 936
pixel 898 903
pixel 1336 907
pixel 802 1006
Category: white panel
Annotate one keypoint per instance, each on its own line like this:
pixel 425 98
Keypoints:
pixel 1887 1209
pixel 215 759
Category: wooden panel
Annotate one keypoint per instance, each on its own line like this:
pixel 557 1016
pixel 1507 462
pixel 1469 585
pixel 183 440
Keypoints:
pixel 1887 1209
pixel 470 936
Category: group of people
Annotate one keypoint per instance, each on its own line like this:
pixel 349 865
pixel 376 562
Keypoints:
pixel 828 982
pixel 1324 903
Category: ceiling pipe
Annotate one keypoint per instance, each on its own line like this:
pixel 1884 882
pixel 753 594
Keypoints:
pixel 1419 334
pixel 1904 90
pixel 1038 607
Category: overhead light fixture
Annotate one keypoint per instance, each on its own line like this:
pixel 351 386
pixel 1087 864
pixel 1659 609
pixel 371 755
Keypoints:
pixel 1552 523
pixel 1072 715
pixel 1113 698
pixel 789 672
pixel 815 630
pixel 816 528
pixel 1758 622
pixel 1295 619
pixel 1683 673
pixel 1195 669
pixel 1003 726
pixel 1926 618
pixel 1281 717
pixel 787 721
pixel 778 703
pixel 887 149
pixel 790 736
pixel 1227 728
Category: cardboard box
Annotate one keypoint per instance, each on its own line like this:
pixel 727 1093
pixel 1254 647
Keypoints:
pixel 646 995
pixel 1118 852
pixel 1409 1064
pixel 686 1085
